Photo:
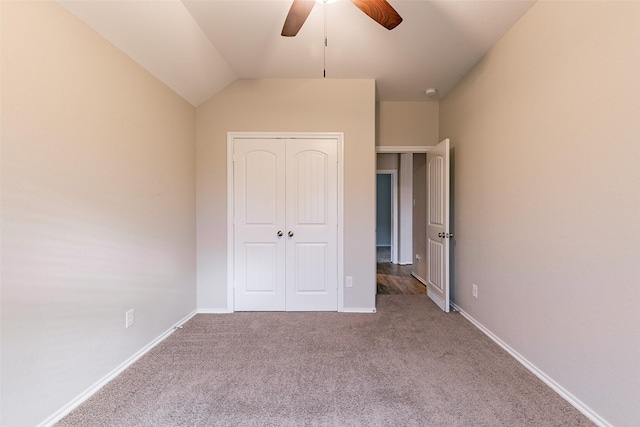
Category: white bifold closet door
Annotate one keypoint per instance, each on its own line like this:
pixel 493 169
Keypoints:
pixel 285 224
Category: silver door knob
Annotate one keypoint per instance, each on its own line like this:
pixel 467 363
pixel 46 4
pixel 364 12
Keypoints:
pixel 290 234
pixel 440 234
pixel 280 233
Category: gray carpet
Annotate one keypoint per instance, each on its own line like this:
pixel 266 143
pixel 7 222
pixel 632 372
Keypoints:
pixel 407 365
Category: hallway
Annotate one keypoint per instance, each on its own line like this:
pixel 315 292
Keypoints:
pixel 395 278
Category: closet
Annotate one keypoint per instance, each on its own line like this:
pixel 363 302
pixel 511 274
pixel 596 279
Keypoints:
pixel 285 224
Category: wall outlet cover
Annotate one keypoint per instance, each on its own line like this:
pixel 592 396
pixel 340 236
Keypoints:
pixel 129 318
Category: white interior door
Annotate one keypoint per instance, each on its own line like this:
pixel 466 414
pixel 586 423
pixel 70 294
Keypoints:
pixel 438 234
pixel 259 224
pixel 312 221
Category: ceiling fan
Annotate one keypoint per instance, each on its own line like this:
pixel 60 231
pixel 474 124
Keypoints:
pixel 378 10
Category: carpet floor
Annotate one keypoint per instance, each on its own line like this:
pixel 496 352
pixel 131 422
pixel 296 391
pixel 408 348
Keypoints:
pixel 406 365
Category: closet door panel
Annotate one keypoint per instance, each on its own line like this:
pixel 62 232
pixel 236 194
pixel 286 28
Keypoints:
pixel 312 221
pixel 259 216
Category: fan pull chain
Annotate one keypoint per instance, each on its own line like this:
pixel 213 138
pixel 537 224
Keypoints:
pixel 324 48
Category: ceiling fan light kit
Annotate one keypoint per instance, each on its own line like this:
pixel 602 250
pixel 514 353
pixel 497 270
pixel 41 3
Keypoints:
pixel 378 10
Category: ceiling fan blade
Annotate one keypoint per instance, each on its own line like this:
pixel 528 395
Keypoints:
pixel 380 11
pixel 300 10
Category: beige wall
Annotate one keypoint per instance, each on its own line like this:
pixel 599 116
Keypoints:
pixel 387 161
pixel 407 123
pixel 98 209
pixel 288 106
pixel 546 144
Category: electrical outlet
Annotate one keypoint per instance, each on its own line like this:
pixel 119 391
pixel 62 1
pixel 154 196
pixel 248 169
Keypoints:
pixel 475 290
pixel 349 282
pixel 128 318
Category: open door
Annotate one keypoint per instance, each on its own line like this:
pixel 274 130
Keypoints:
pixel 438 234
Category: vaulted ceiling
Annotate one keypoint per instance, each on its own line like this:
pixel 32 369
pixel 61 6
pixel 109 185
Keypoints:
pixel 197 47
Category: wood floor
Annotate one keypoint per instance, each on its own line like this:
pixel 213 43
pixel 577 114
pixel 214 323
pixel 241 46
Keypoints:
pixel 397 279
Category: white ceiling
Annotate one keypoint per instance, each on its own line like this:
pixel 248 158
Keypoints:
pixel 197 47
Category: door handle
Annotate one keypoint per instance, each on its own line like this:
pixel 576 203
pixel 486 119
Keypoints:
pixel 290 234
pixel 279 233
pixel 440 234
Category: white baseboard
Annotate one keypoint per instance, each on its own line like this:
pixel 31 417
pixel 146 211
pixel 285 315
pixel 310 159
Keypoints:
pixel 566 395
pixel 420 279
pixel 66 409
pixel 359 310
pixel 213 311
pixel 225 311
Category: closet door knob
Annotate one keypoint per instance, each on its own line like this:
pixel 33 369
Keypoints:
pixel 280 233
pixel 290 234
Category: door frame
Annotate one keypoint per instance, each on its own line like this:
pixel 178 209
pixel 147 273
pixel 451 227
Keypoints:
pixel 412 149
pixel 394 211
pixel 231 137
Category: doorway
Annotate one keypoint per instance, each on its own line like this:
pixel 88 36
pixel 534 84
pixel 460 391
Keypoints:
pixel 401 273
pixel 387 216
